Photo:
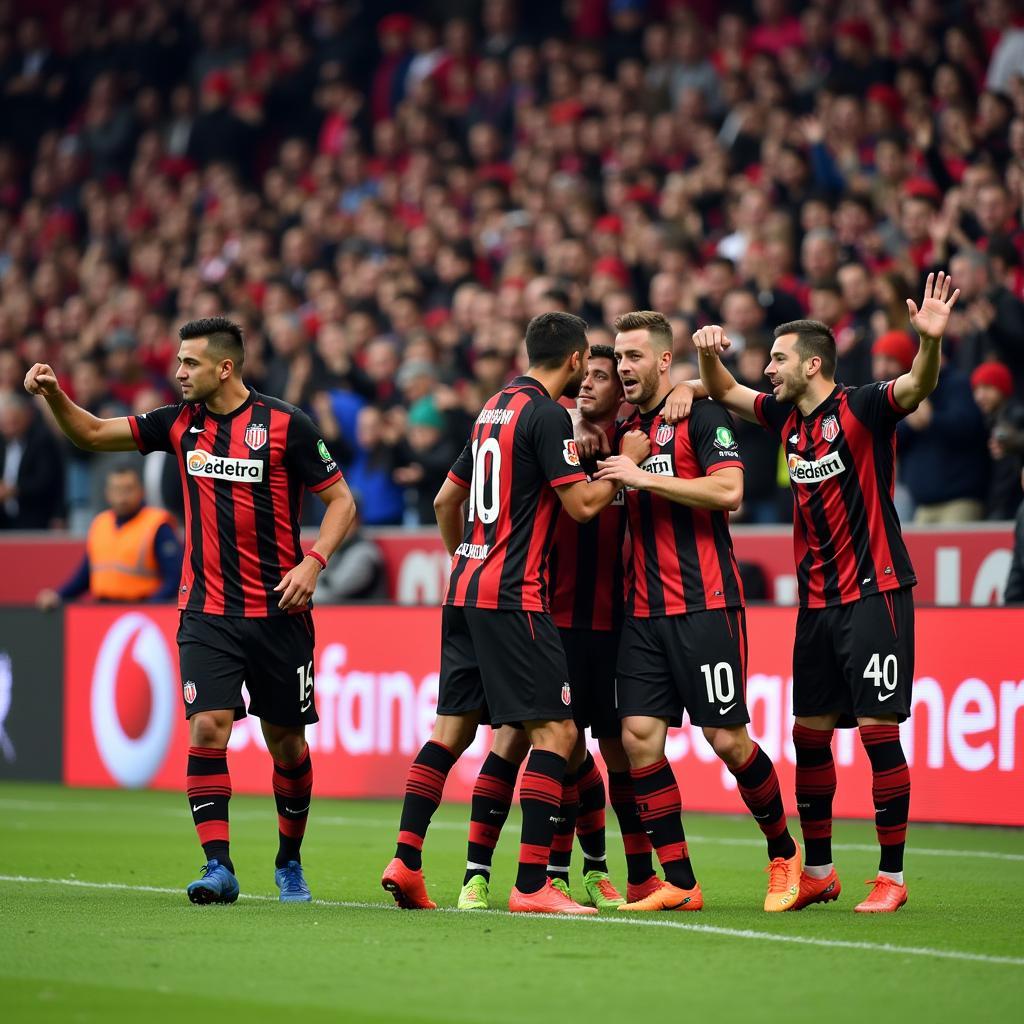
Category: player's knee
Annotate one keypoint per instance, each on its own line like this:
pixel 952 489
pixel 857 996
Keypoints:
pixel 207 731
pixel 558 737
pixel 638 743
pixel 511 744
pixel 733 746
pixel 456 732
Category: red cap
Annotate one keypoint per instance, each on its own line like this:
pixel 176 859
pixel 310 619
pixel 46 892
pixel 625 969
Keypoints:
pixel 565 111
pixel 613 267
pixel 886 96
pixel 434 318
pixel 855 28
pixel 922 188
pixel 609 224
pixel 898 345
pixel 395 24
pixel 996 375
pixel 218 82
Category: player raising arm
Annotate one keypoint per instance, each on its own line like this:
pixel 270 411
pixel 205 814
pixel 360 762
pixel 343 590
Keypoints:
pixel 853 659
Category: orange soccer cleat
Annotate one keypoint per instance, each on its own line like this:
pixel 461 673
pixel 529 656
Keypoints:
pixel 783 882
pixel 668 897
pixel 546 900
pixel 818 890
pixel 635 893
pixel 407 887
pixel 886 896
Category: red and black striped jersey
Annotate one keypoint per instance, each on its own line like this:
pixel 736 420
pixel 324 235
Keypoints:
pixel 243 476
pixel 587 566
pixel 682 557
pixel 841 458
pixel 521 449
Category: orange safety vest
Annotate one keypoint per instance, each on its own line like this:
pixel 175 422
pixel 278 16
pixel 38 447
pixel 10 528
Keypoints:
pixel 122 562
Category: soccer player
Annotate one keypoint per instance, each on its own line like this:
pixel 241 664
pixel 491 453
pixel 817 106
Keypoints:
pixel 684 643
pixel 586 589
pixel 245 584
pixel 500 651
pixel 853 658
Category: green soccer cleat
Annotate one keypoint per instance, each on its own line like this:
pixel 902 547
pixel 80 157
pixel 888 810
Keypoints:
pixel 562 886
pixel 475 894
pixel 600 891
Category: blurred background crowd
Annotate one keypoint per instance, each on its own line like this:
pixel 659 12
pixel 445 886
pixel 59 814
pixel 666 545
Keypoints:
pixel 383 195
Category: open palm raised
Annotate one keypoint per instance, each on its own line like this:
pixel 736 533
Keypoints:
pixel 930 320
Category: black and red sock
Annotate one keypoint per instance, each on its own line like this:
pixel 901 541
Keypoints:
pixel 565 829
pixel 661 807
pixel 423 788
pixel 890 788
pixel 635 841
pixel 815 790
pixel 208 786
pixel 590 822
pixel 293 790
pixel 492 800
pixel 540 796
pixel 759 786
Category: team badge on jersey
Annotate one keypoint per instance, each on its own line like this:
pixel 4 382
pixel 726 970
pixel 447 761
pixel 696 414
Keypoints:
pixel 664 435
pixel 566 694
pixel 570 453
pixel 255 436
pixel 188 691
pixel 830 428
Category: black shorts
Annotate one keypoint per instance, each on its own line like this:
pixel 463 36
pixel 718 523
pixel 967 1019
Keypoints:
pixel 695 662
pixel 591 655
pixel 273 656
pixel 509 665
pixel 856 659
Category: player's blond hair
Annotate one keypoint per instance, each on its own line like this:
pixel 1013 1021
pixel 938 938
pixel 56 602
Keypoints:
pixel 659 330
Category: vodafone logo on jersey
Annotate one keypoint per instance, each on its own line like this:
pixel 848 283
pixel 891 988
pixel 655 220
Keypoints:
pixel 133 699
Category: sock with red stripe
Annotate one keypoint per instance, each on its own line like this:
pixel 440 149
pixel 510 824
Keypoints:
pixel 540 796
pixel 890 788
pixel 590 822
pixel 423 788
pixel 815 790
pixel 208 785
pixel 293 789
pixel 639 866
pixel 661 808
pixel 492 800
pixel 759 786
pixel 565 829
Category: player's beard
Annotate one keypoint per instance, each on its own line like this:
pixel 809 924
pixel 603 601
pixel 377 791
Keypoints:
pixel 574 383
pixel 648 388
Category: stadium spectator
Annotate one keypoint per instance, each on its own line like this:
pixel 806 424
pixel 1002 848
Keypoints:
pixel 31 469
pixel 356 572
pixel 131 552
pixel 992 386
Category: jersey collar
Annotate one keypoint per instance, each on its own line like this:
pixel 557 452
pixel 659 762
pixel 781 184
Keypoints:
pixel 525 381
pixel 223 417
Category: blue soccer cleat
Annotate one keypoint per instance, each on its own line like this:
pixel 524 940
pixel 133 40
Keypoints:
pixel 292 883
pixel 217 885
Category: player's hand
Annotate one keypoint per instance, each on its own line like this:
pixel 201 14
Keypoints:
pixel 622 470
pixel 591 441
pixel 711 341
pixel 930 320
pixel 678 404
pixel 636 445
pixel 298 584
pixel 47 600
pixel 41 380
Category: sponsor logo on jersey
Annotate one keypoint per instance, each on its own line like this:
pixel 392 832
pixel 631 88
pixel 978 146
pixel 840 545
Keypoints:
pixel 249 471
pixel 659 464
pixel 724 438
pixel 803 472
pixel 570 453
pixel 188 691
pixel 255 436
pixel 830 428
pixel 664 434
pixel 475 551
pixel 620 498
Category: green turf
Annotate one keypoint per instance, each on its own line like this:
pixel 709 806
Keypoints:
pixel 78 953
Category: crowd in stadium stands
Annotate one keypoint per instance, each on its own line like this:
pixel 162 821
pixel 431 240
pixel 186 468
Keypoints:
pixel 383 199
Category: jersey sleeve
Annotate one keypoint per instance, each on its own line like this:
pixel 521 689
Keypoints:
pixel 307 455
pixel 461 472
pixel 151 431
pixel 875 405
pixel 713 438
pixel 555 446
pixel 771 413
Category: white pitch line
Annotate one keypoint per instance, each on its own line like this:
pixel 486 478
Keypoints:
pixel 706 929
pixel 455 826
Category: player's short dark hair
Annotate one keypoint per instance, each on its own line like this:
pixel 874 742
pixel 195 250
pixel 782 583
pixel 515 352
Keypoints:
pixel 223 337
pixel 602 352
pixel 813 338
pixel 552 337
pixel 659 330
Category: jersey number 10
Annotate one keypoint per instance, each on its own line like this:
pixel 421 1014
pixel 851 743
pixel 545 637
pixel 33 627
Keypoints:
pixel 483 492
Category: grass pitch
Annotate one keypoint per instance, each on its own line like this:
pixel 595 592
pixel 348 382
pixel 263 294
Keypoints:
pixel 95 926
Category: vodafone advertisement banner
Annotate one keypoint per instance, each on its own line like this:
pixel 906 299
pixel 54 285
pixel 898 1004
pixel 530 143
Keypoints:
pixel 376 691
